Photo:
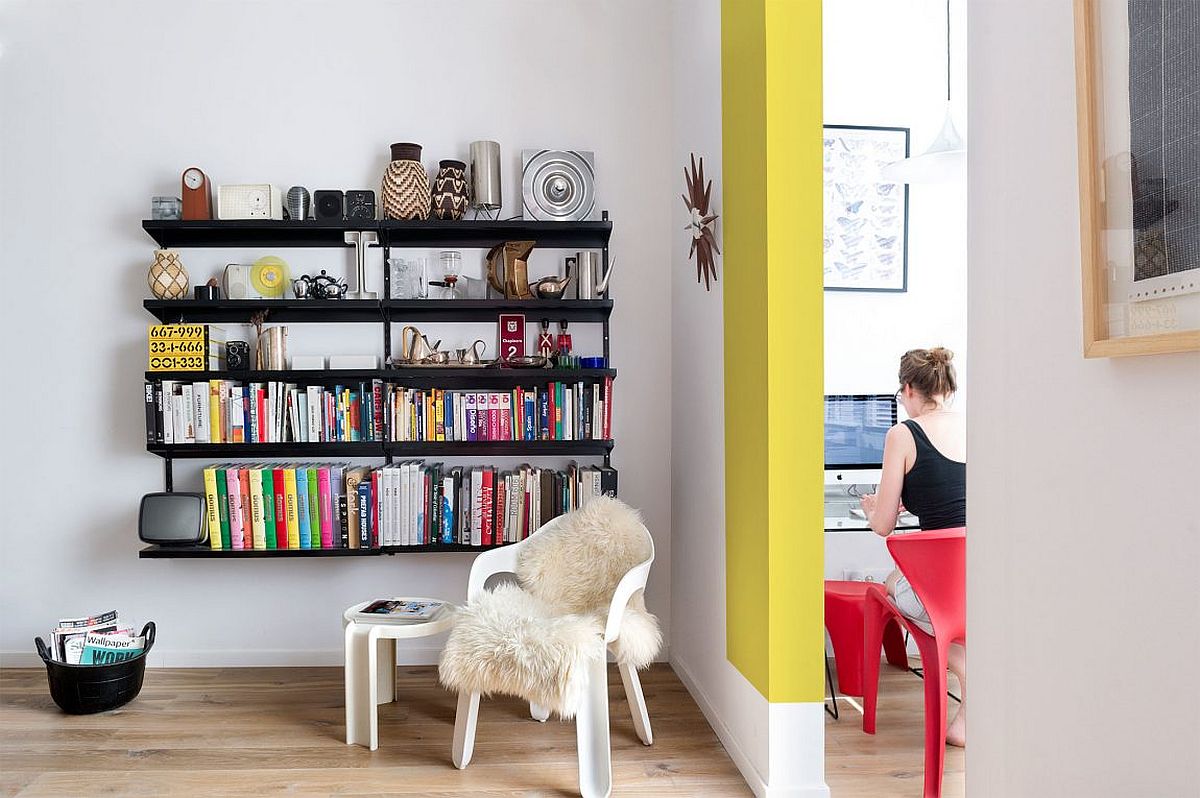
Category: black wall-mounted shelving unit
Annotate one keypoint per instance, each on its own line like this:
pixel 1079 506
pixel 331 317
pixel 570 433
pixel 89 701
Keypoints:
pixel 272 234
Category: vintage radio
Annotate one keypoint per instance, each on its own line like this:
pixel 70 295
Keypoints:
pixel 249 201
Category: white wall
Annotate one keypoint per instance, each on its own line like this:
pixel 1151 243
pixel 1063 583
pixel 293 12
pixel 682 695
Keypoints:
pixel 106 105
pixel 734 707
pixel 777 747
pixel 885 64
pixel 1085 543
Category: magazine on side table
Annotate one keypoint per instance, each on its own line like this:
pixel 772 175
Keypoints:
pixel 400 611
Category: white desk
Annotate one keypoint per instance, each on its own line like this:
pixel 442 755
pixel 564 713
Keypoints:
pixel 854 551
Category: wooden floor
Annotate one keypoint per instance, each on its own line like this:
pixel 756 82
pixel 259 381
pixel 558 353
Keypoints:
pixel 269 731
pixel 890 762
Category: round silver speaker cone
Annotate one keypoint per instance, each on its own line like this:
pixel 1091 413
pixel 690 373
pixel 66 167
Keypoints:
pixel 558 185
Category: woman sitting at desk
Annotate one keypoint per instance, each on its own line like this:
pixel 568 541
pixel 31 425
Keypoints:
pixel 925 472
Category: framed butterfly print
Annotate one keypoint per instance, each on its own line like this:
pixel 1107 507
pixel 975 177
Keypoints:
pixel 866 218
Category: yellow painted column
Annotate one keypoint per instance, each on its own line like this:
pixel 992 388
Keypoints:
pixel 774 457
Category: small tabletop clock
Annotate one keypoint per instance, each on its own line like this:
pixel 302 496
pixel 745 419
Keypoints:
pixel 197 195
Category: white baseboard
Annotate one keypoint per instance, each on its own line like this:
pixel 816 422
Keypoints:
pixel 245 658
pixel 251 658
pixel 755 780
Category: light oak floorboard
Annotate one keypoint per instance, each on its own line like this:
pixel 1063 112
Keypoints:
pixel 271 731
pixel 890 763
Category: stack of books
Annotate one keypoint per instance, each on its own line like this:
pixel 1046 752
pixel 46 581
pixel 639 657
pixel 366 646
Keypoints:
pixel 340 506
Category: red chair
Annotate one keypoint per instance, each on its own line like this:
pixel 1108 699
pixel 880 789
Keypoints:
pixel 845 607
pixel 935 564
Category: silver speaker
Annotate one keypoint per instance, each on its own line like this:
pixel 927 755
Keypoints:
pixel 485 175
pixel 298 202
pixel 558 185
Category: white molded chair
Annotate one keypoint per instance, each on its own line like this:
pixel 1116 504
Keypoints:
pixel 583 674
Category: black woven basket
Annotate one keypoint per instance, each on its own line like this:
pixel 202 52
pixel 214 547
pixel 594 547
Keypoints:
pixel 84 689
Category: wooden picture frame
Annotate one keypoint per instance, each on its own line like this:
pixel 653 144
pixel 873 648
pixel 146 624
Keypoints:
pixel 1140 246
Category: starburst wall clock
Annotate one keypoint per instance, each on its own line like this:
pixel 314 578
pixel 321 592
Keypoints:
pixel 704 242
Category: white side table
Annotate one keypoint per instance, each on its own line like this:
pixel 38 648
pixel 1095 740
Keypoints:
pixel 371 666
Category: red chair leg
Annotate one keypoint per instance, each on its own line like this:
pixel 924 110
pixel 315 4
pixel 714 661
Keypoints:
pixel 876 615
pixel 933 666
pixel 847 651
pixel 893 645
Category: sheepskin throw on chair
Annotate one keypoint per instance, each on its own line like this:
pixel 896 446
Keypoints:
pixel 534 639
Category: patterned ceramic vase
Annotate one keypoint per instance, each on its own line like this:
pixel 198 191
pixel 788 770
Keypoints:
pixel 168 279
pixel 405 187
pixel 451 194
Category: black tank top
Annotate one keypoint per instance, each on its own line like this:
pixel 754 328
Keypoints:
pixel 935 489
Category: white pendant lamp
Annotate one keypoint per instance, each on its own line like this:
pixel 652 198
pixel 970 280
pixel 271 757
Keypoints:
pixel 946 157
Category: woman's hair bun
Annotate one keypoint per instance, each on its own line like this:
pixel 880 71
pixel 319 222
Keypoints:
pixel 940 356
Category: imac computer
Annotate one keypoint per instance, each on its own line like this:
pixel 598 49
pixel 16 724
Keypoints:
pixel 855 426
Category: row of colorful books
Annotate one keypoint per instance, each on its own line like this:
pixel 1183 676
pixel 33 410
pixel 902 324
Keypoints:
pixel 336 505
pixel 228 411
pixel 557 412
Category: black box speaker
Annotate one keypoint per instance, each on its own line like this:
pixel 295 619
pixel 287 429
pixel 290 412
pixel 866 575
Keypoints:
pixel 329 205
pixel 172 519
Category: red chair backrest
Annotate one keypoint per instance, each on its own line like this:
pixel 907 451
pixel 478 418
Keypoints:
pixel 935 564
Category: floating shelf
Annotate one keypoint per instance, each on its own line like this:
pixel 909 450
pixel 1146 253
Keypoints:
pixel 311 376
pixel 206 553
pixel 319 451
pixel 410 377
pixel 486 310
pixel 273 233
pixel 497 448
pixel 324 451
pixel 237 311
pixel 485 233
pixel 462 378
pixel 253 232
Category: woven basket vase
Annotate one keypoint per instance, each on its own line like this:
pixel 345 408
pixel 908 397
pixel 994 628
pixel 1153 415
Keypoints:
pixel 451 194
pixel 405 188
pixel 167 278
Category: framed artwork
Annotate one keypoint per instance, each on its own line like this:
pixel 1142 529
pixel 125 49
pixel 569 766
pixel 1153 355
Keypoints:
pixel 866 219
pixel 1138 95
